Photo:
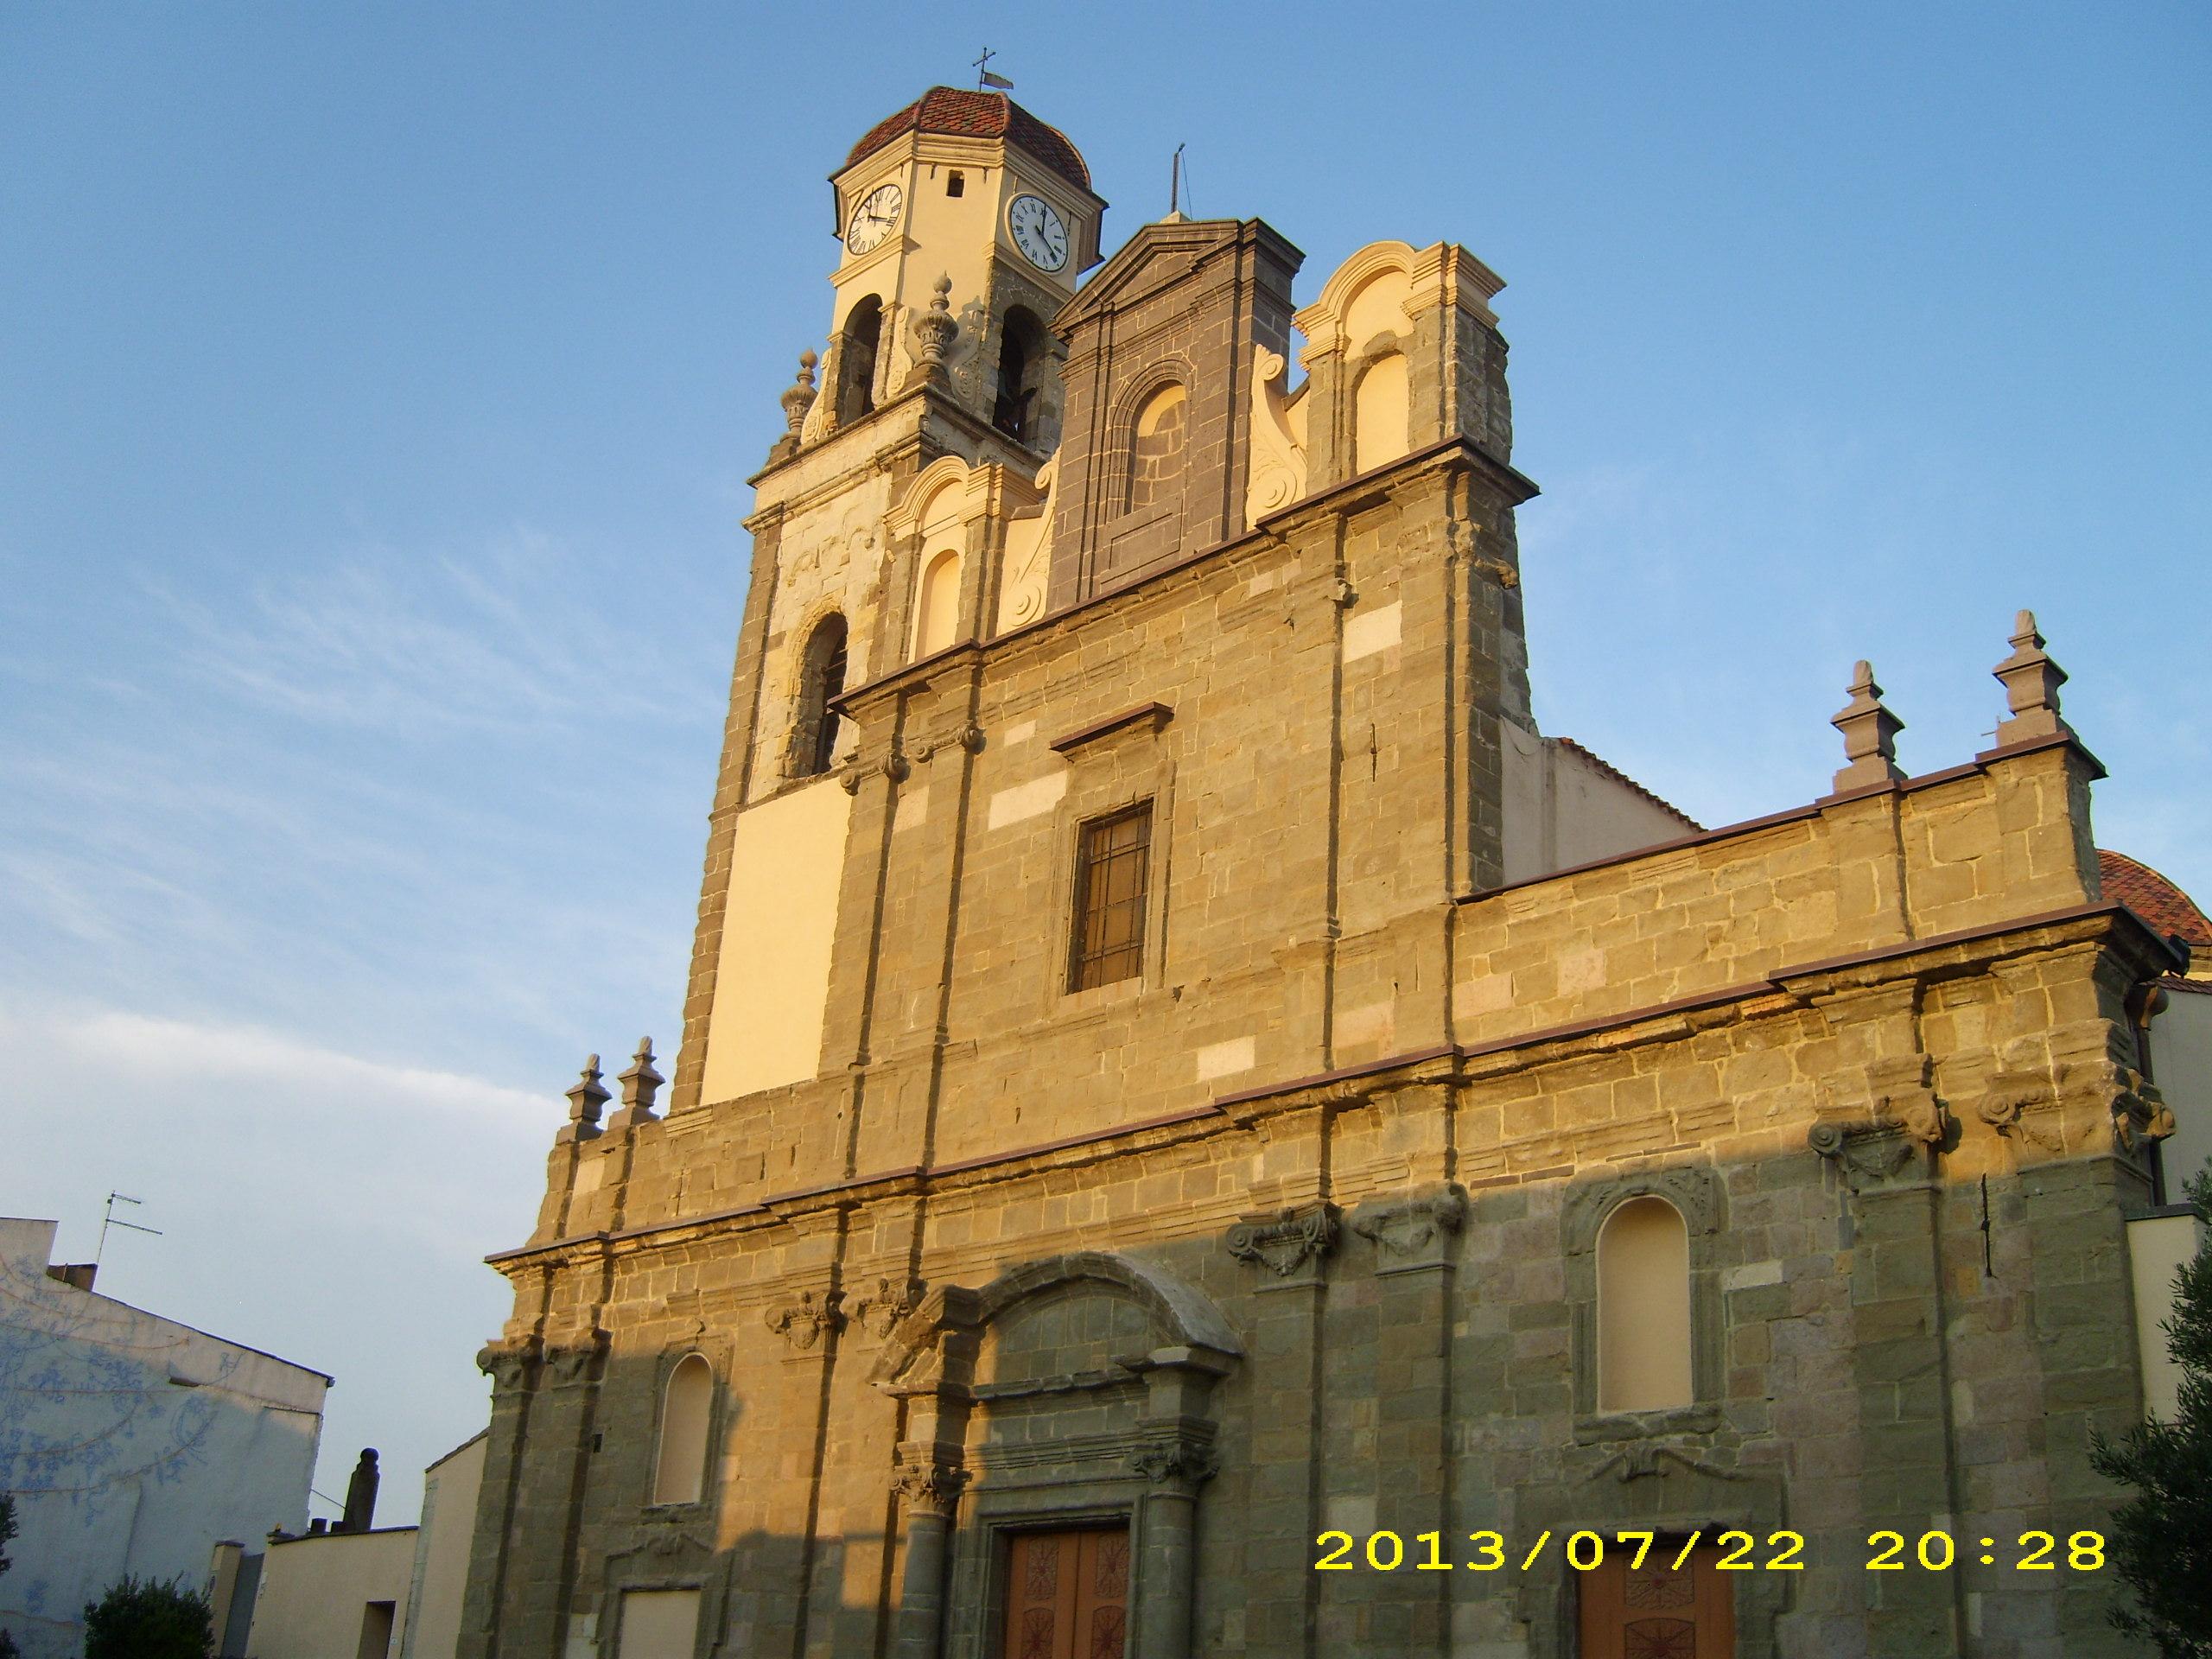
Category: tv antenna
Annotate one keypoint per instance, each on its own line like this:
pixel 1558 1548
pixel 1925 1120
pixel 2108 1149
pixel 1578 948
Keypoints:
pixel 110 1219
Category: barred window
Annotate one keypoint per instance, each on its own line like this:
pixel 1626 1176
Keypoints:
pixel 1113 863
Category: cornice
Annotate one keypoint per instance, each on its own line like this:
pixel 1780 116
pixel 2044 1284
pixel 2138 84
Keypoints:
pixel 1450 454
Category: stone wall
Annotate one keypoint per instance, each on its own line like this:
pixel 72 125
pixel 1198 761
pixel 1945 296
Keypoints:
pixel 1295 1230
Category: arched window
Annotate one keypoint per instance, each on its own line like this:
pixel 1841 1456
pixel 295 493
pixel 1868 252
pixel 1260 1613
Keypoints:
pixel 822 681
pixel 1379 413
pixel 937 606
pixel 858 342
pixel 1643 1308
pixel 1156 448
pixel 1022 361
pixel 680 1473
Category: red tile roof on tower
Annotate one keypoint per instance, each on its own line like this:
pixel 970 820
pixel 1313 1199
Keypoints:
pixel 978 115
pixel 2153 898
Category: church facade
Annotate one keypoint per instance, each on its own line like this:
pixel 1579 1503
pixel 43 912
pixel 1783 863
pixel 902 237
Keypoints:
pixel 1199 1131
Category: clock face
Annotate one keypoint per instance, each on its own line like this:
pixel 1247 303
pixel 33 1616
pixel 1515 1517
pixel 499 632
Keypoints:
pixel 1038 231
pixel 874 218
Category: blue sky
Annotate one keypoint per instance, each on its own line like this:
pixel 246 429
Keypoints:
pixel 378 388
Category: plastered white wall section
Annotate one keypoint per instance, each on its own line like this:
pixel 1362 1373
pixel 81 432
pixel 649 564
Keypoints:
pixel 1027 800
pixel 2180 1059
pixel 771 984
pixel 167 1439
pixel 315 1591
pixel 1226 1059
pixel 450 1488
pixel 659 1623
pixel 1368 631
pixel 2157 1246
pixel 1561 809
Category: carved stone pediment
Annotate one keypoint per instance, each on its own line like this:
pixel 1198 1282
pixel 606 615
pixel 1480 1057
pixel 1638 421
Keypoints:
pixel 1644 1459
pixel 1692 1189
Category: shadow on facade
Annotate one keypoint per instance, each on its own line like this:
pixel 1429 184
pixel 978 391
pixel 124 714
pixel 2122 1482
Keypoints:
pixel 1853 1340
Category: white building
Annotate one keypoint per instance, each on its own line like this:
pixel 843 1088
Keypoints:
pixel 380 1592
pixel 130 1443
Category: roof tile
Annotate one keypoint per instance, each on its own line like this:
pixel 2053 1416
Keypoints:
pixel 978 115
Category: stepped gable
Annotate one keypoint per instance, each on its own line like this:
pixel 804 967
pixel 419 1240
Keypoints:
pixel 978 115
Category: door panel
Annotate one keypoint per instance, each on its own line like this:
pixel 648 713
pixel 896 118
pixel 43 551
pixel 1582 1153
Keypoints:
pixel 1067 1594
pixel 1656 1613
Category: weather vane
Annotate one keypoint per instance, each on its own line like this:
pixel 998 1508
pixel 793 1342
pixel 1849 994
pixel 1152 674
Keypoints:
pixel 985 79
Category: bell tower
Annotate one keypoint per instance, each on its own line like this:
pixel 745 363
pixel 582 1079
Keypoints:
pixel 963 207
pixel 880 524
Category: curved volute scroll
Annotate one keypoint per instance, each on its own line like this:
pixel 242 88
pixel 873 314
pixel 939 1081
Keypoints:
pixel 1278 471
pixel 1028 558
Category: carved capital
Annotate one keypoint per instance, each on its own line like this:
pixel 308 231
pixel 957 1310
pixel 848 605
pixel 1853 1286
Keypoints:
pixel 1287 1244
pixel 806 1322
pixel 575 1359
pixel 879 1311
pixel 2140 1112
pixel 512 1366
pixel 1868 1154
pixel 1177 1462
pixel 2011 1104
pixel 1414 1232
pixel 1901 1095
pixel 930 1488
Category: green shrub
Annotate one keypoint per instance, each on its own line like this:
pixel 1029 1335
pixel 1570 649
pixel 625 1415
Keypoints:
pixel 146 1618
pixel 2162 1537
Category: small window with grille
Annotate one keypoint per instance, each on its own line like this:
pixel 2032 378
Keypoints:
pixel 1113 864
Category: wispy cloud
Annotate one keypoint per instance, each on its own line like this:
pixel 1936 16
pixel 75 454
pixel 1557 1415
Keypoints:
pixel 302 795
pixel 505 639
pixel 329 1206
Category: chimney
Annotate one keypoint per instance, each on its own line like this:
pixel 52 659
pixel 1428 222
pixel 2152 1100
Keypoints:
pixel 361 1494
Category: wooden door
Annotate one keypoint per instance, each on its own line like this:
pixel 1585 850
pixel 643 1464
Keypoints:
pixel 1067 1594
pixel 1656 1612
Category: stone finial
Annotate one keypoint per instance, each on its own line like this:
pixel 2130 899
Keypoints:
pixel 640 1085
pixel 934 330
pixel 2030 680
pixel 798 398
pixel 585 1100
pixel 1870 735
